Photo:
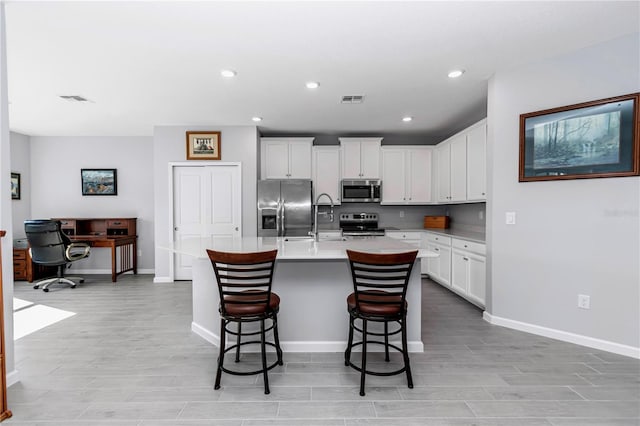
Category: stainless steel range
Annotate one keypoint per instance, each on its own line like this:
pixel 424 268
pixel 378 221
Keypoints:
pixel 360 224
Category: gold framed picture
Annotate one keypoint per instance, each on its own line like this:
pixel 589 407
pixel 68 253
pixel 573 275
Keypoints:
pixel 203 145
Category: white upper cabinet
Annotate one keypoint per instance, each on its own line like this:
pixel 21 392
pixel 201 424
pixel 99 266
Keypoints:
pixel 285 158
pixel 360 158
pixel 327 165
pixel 461 166
pixel 477 163
pixel 406 175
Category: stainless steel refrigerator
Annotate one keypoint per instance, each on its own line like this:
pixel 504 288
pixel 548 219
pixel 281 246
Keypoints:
pixel 284 208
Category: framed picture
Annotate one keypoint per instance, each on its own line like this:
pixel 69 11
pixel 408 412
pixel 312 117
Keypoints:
pixel 99 181
pixel 588 140
pixel 15 186
pixel 203 145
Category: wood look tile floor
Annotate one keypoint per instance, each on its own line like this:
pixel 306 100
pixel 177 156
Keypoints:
pixel 128 357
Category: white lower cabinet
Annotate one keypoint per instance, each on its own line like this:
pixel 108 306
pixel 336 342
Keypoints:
pixel 439 268
pixel 460 266
pixel 468 270
pixel 410 237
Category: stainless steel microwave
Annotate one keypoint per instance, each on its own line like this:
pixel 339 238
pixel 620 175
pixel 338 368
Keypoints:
pixel 361 190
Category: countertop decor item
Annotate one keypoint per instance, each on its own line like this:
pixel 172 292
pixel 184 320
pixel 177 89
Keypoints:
pixel 441 222
pixel 203 145
pixel 588 140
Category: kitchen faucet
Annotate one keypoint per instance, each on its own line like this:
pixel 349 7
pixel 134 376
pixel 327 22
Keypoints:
pixel 315 219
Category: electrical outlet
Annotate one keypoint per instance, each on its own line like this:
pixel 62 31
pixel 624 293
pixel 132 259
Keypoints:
pixel 139 253
pixel 510 218
pixel 480 215
pixel 401 213
pixel 584 301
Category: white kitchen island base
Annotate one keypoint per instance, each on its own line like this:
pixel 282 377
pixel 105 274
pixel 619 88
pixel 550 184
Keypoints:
pixel 313 281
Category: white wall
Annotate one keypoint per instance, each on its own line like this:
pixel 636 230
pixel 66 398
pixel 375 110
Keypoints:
pixel 238 144
pixel 56 191
pixel 571 237
pixel 20 163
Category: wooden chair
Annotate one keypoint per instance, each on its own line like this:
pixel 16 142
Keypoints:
pixel 244 284
pixel 379 295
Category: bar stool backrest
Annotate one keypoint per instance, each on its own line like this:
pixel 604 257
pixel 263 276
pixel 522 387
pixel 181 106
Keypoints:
pixel 243 278
pixel 374 273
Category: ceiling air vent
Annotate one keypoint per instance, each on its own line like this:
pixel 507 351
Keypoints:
pixel 74 98
pixel 352 99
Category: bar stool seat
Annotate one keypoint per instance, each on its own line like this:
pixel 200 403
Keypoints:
pixel 380 286
pixel 244 285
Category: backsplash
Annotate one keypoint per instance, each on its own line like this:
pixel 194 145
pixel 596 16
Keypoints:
pixel 463 216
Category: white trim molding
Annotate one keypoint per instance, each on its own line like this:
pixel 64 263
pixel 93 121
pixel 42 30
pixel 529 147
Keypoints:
pixel 564 336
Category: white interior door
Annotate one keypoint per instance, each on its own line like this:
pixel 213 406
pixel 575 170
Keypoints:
pixel 207 202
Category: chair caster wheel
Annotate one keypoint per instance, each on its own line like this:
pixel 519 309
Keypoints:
pixel 46 290
pixel 80 281
pixel 73 286
pixel 35 287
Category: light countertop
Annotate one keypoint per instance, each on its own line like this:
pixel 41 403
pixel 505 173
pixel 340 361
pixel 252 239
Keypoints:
pixel 294 249
pixel 478 237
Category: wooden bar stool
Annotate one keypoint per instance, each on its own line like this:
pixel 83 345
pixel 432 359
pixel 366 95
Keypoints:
pixel 379 295
pixel 244 284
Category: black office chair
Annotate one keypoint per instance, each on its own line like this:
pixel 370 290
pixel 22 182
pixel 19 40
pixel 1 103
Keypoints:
pixel 379 295
pixel 49 246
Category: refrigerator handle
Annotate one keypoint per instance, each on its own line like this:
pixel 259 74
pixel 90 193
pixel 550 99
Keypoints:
pixel 278 218
pixel 282 217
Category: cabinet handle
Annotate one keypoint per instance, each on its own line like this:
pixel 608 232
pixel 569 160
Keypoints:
pixel 465 258
pixel 436 249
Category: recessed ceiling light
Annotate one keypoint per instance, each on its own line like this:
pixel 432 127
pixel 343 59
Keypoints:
pixel 313 85
pixel 407 118
pixel 228 73
pixel 455 73
pixel 256 118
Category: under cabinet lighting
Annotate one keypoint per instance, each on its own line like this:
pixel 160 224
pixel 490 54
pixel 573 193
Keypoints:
pixel 455 73
pixel 407 119
pixel 256 119
pixel 228 73
pixel 313 85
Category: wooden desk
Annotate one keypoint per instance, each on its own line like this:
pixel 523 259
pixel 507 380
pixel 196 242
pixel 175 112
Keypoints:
pixel 113 233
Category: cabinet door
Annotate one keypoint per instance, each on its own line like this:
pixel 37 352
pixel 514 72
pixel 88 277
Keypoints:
pixel 459 271
pixel 433 263
pixel 275 160
pixel 458 171
pixel 443 164
pixel 418 184
pixel 477 278
pixel 393 176
pixel 477 163
pixel 300 160
pixel 370 159
pixel 326 173
pixel 351 160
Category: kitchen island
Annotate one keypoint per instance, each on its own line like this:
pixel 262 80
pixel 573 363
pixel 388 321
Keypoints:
pixel 313 281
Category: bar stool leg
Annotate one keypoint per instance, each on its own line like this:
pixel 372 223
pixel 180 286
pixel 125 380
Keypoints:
pixel 264 357
pixel 276 339
pixel 386 341
pixel 347 353
pixel 223 338
pixel 364 356
pixel 238 341
pixel 405 353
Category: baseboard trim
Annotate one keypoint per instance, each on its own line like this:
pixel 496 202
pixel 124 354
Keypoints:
pixel 162 280
pixel 74 271
pixel 210 337
pixel 13 377
pixel 564 336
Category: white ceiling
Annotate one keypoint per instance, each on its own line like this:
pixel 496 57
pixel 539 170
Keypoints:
pixel 158 63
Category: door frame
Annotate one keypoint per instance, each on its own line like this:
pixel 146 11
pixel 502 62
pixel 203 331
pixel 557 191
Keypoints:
pixel 172 167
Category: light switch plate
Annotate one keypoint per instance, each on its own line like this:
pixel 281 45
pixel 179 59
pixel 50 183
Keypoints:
pixel 510 218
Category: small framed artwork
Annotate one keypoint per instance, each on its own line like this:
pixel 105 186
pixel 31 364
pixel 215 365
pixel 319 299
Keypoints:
pixel 15 186
pixel 203 145
pixel 589 140
pixel 99 181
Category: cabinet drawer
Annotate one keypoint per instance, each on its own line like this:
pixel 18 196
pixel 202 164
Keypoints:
pixel 438 239
pixel 68 223
pixel 19 274
pixel 404 235
pixel 117 223
pixel 19 255
pixel 469 246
